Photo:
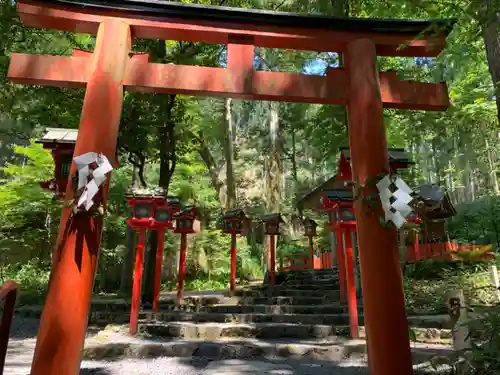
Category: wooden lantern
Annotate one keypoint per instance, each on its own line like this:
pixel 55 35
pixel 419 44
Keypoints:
pixel 184 220
pixel 310 227
pixel 272 223
pixel 144 203
pixel 234 221
pixel 62 144
pixel 335 201
pixel 165 208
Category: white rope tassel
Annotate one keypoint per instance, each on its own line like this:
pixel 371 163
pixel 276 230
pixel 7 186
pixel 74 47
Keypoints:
pixel 96 175
pixel 395 197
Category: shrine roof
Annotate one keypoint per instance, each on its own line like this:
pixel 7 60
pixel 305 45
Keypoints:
pixel 395 155
pixel 59 135
pixel 169 9
pixel 339 194
pixel 273 217
pixel 233 214
pixel 438 203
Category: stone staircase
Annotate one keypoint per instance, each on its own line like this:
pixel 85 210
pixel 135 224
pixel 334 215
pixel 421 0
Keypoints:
pixel 302 305
pixel 300 318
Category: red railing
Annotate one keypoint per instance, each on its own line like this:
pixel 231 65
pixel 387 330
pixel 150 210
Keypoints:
pixel 8 293
pixel 436 251
pixel 416 252
pixel 294 262
pixel 297 262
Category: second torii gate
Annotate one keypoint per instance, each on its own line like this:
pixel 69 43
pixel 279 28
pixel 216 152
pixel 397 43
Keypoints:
pixel 112 67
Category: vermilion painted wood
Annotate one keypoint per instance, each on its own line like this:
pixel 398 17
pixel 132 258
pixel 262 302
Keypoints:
pixel 311 252
pixel 240 58
pixel 351 285
pixel 72 71
pixel 232 285
pixel 65 315
pixel 8 293
pixel 382 283
pixel 182 268
pixel 160 232
pixel 272 259
pixel 136 287
pixel 341 264
pixel 48 16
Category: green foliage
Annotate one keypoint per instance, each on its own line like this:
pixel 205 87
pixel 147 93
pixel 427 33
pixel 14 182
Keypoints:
pixel 477 222
pixel 426 284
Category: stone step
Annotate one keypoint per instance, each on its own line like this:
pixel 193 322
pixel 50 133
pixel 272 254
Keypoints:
pixel 334 293
pixel 299 300
pixel 279 309
pixel 309 285
pixel 429 324
pixel 113 345
pixel 216 331
pixel 206 317
pixel 223 331
pixel 306 272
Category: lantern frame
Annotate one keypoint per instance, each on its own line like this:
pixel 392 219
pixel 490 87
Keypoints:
pixel 166 206
pixel 335 203
pixel 233 221
pixel 272 223
pixel 61 142
pixel 184 220
pixel 146 198
pixel 310 227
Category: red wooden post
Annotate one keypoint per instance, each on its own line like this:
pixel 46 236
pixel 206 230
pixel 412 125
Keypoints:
pixel 160 232
pixel 136 288
pixel 311 252
pixel 65 316
pixel 272 259
pixel 351 285
pixel 416 247
pixel 384 305
pixel 341 264
pixel 182 267
pixel 8 293
pixel 233 263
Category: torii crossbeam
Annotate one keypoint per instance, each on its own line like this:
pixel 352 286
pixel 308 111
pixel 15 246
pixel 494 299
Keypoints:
pixel 112 67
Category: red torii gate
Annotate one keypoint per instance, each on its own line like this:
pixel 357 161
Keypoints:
pixel 112 67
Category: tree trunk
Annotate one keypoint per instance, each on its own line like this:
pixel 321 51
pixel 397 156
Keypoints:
pixel 295 172
pixel 273 194
pixel 128 265
pixel 168 159
pixel 492 168
pixel 128 262
pixel 491 33
pixel 273 175
pixel 229 155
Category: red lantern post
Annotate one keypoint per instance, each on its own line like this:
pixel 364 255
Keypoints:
pixel 232 223
pixel 310 232
pixel 346 225
pixel 165 209
pixel 272 228
pixel 143 203
pixel 184 221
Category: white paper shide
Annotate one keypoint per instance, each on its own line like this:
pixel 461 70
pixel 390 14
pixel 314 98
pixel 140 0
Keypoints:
pixel 395 196
pixel 92 170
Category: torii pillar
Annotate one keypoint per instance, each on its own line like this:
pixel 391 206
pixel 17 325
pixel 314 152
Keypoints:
pixel 382 284
pixel 65 315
